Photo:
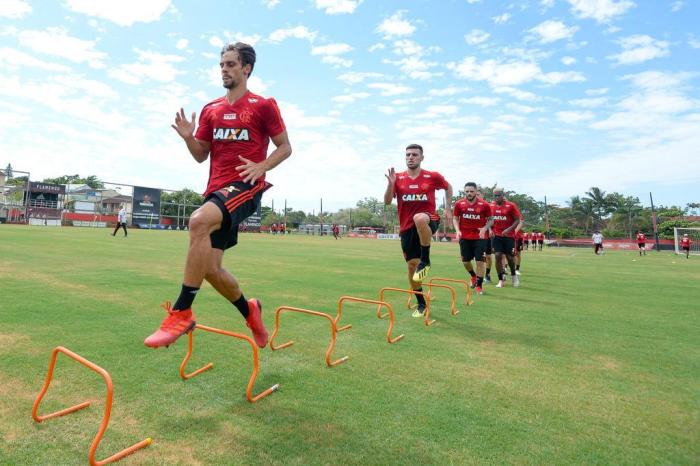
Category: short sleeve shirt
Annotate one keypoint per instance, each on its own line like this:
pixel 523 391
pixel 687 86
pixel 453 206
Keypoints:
pixel 417 195
pixel 503 217
pixel 471 216
pixel 241 129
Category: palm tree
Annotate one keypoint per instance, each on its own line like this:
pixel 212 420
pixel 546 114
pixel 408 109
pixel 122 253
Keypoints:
pixel 583 210
pixel 599 202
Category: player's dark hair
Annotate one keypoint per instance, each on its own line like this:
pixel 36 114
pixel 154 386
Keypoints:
pixel 245 52
pixel 415 146
pixel 470 183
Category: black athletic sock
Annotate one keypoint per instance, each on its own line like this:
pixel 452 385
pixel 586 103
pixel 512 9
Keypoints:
pixel 242 305
pixel 420 298
pixel 517 267
pixel 501 276
pixel 187 295
pixel 488 272
pixel 425 254
pixel 471 273
pixel 479 281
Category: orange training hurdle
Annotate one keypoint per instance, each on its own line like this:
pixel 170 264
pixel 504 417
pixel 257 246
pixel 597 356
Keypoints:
pixel 253 375
pixel 453 297
pixel 427 319
pixel 380 304
pixel 105 418
pixel 334 331
pixel 467 287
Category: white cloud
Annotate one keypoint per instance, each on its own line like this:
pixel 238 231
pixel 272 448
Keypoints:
pixel 693 42
pixel 216 42
pixel 447 91
pixel 415 67
pixel 552 31
pixel 496 73
pixel 501 19
pixel 337 7
pixel 123 12
pixel 336 61
pixel 14 59
pixel 640 48
pixel 270 4
pixel 56 42
pixel 299 32
pixel 572 117
pixel 396 26
pixel 354 77
pixel 557 77
pixel 389 89
pixel 599 91
pixel 481 101
pixel 378 46
pixel 592 102
pixel 149 66
pixel 600 10
pixel 255 84
pixel 476 36
pixel 547 3
pixel 521 108
pixel 14 9
pixel 568 61
pixel 331 49
pixel 676 6
pixel 514 92
pixel 350 98
pixel 181 44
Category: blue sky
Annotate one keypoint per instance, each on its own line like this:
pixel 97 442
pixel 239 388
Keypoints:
pixel 546 97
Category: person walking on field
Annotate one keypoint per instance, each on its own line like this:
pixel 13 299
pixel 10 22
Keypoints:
pixel 234 133
pixel 506 218
pixel 685 245
pixel 642 243
pixel 121 222
pixel 597 242
pixel 472 220
pixel 414 190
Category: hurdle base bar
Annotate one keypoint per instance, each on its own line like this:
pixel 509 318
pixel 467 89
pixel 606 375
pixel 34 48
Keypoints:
pixel 251 381
pixel 380 304
pixel 334 331
pixel 105 418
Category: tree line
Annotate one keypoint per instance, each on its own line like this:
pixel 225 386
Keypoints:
pixel 615 214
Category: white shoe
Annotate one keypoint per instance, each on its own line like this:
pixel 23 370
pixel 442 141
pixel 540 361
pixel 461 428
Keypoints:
pixel 516 281
pixel 517 272
pixel 501 284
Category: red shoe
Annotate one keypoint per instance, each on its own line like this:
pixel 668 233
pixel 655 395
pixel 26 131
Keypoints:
pixel 479 290
pixel 255 323
pixel 473 281
pixel 173 327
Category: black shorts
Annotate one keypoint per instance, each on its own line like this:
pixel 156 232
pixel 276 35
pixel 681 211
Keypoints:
pixel 687 249
pixel 642 245
pixel 236 202
pixel 504 245
pixel 472 249
pixel 519 244
pixel 410 242
pixel 489 246
pixel 540 241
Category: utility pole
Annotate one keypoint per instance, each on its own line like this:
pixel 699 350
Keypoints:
pixel 285 215
pixel 546 217
pixel 653 222
pixel 320 216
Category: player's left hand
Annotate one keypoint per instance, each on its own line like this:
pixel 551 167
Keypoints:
pixel 250 171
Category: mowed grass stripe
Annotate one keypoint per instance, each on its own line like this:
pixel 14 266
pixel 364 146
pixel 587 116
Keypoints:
pixel 593 359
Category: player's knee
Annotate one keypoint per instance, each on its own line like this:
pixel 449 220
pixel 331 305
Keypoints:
pixel 421 219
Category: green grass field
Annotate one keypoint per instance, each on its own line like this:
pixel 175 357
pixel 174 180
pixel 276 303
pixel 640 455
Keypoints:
pixel 595 359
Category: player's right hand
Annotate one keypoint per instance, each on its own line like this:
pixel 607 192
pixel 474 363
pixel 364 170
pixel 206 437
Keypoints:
pixel 391 175
pixel 184 127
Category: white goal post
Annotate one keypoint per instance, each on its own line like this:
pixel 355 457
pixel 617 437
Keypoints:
pixel 693 234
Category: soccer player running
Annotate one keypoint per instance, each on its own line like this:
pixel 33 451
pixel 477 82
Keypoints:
pixel 506 218
pixel 472 220
pixel 414 190
pixel 235 130
pixel 685 244
pixel 519 242
pixel 642 243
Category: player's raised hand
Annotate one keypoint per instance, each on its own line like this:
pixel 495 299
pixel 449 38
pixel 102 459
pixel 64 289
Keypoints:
pixel 184 127
pixel 391 175
pixel 250 171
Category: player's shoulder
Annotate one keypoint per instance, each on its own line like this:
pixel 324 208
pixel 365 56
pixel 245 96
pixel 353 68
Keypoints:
pixel 213 104
pixel 258 100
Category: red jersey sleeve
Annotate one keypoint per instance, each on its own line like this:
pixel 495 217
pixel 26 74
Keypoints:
pixel 516 213
pixel 272 118
pixel 204 130
pixel 440 181
pixel 457 211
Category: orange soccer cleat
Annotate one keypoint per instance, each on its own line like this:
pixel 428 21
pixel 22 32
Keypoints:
pixel 255 323
pixel 173 327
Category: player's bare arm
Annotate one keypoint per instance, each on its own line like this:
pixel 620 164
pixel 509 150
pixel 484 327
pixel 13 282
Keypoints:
pixel 455 223
pixel 448 203
pixel 185 128
pixel 391 182
pixel 510 228
pixel 251 171
pixel 486 228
